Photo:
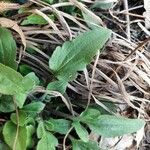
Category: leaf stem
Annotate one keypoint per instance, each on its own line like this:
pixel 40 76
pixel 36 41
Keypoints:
pixel 17 130
pixel 64 141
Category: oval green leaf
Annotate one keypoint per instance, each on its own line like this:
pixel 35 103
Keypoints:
pixel 75 55
pixel 111 126
pixel 8 48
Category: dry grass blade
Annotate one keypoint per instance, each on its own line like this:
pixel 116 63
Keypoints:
pixel 56 94
pixel 134 72
pixel 13 25
pixel 91 83
pixel 4 6
pixel 73 19
pixel 88 12
pixel 102 105
pixel 59 16
pixel 63 22
pixel 126 95
pixel 51 23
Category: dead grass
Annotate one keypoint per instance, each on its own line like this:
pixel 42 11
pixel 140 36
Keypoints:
pixel 128 86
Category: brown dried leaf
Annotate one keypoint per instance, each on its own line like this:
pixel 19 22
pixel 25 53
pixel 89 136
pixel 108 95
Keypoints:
pixel 4 6
pixel 4 22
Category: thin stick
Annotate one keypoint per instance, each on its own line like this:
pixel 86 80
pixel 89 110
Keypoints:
pixel 2 120
pixel 64 141
pixel 91 84
pixel 127 19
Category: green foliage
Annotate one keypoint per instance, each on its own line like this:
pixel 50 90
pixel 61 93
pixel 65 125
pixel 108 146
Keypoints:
pixel 91 22
pixel 33 108
pixel 111 126
pixel 6 104
pixel 3 146
pixel 13 83
pixel 28 127
pixel 59 85
pixel 103 4
pixel 110 105
pixel 89 114
pixel 36 20
pixel 108 125
pixel 81 131
pixel 24 69
pixel 22 118
pixel 8 48
pixel 75 55
pixel 9 133
pixel 47 140
pixel 58 125
pixel 80 145
pixel 30 131
pixel 48 1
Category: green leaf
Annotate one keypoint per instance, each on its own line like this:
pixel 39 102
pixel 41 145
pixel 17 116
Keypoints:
pixel 3 146
pixel 10 81
pixel 9 133
pixel 111 126
pixel 6 104
pixel 30 81
pixel 33 108
pixel 47 142
pixel 24 69
pixel 30 132
pixel 20 99
pixel 36 20
pixel 103 4
pixel 108 125
pixel 80 145
pixel 89 115
pixel 40 130
pixel 81 131
pixel 58 125
pixel 110 105
pixel 91 22
pixel 7 48
pixel 23 118
pixel 49 1
pixel 59 86
pixel 75 55
pixel 13 83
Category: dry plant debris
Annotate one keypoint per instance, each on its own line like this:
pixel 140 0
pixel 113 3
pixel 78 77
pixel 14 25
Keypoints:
pixel 120 75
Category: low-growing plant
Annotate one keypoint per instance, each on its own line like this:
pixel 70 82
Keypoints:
pixel 30 122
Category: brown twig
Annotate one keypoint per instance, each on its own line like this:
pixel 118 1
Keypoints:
pixel 127 19
pixel 91 84
pixel 136 49
pixel 2 120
